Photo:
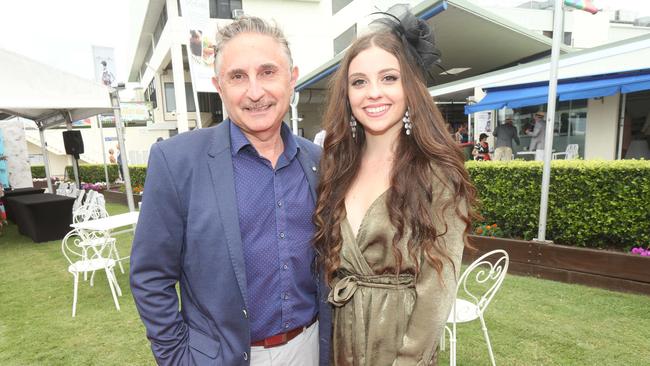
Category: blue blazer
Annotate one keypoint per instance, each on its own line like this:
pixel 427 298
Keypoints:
pixel 188 233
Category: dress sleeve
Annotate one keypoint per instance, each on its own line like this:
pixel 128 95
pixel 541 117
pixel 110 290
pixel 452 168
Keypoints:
pixel 434 293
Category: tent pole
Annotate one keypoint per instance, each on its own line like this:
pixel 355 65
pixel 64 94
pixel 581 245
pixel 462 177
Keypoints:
pixel 550 118
pixel 101 134
pixel 115 102
pixel 46 161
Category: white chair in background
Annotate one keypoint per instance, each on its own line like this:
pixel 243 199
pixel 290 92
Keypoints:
pixel 73 250
pixel 79 201
pixel 571 152
pixel 93 211
pixel 62 189
pixel 476 287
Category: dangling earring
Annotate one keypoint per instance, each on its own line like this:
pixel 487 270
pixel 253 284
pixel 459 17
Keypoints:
pixel 407 123
pixel 353 126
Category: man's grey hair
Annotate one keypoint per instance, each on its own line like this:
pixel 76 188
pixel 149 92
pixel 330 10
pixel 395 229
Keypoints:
pixel 249 24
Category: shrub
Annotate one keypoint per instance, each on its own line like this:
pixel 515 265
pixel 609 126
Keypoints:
pixel 93 173
pixel 38 171
pixel 591 203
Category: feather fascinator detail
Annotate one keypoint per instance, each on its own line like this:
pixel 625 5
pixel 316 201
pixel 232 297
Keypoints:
pixel 415 34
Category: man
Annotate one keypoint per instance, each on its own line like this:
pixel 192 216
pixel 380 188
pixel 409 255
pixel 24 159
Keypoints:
pixel 538 132
pixel 505 134
pixel 228 215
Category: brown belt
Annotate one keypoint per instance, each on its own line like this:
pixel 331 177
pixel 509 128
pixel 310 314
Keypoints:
pixel 282 338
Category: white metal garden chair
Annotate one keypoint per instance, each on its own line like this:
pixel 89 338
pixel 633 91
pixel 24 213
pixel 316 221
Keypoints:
pixel 73 249
pixel 571 152
pixel 93 211
pixel 476 287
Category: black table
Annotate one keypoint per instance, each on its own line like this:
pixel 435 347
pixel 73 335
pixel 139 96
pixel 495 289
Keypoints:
pixel 19 192
pixel 42 217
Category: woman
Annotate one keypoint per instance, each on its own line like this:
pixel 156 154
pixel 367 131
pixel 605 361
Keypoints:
pixel 391 215
pixel 481 150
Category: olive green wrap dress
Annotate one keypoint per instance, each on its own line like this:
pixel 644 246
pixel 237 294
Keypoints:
pixel 381 319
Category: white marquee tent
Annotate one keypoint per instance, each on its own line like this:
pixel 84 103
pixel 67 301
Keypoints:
pixel 51 97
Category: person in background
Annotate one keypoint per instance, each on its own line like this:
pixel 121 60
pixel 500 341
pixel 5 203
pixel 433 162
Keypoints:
pixel 537 132
pixel 481 150
pixel 111 156
pixel 392 213
pixel 461 134
pixel 505 134
pixel 118 159
pixel 228 218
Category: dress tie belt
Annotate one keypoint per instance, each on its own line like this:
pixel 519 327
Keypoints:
pixel 345 288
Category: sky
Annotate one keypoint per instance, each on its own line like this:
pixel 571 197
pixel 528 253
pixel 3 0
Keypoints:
pixel 61 33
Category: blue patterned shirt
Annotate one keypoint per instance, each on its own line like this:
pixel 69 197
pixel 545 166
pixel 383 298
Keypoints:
pixel 275 218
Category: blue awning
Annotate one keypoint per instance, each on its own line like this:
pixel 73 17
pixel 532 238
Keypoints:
pixel 581 88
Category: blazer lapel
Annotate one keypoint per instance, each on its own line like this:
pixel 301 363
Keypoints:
pixel 223 182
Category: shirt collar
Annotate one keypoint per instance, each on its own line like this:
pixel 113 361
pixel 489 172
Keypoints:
pixel 239 141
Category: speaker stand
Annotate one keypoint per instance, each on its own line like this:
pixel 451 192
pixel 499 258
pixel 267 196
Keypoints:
pixel 75 162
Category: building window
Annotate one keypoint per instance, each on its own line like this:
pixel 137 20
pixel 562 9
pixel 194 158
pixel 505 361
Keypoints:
pixel 170 98
pixel 569 127
pixel 567 37
pixel 345 39
pixel 150 94
pixel 338 5
pixel 222 9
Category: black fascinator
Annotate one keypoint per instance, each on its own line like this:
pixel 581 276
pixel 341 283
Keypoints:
pixel 415 34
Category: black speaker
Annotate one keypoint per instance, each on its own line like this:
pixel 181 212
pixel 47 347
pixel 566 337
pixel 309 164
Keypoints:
pixel 74 144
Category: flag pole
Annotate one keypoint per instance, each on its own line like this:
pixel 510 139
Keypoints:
pixel 558 17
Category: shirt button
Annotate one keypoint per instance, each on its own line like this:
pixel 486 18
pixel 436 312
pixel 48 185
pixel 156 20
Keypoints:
pixel 313 168
pixel 285 267
pixel 245 313
pixel 279 203
pixel 285 295
pixel 281 234
pixel 286 325
pixel 245 355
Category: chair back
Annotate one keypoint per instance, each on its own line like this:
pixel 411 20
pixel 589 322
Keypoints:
pixel 75 243
pixel 78 202
pixel 71 246
pixel 87 212
pixel 482 279
pixel 62 189
pixel 572 151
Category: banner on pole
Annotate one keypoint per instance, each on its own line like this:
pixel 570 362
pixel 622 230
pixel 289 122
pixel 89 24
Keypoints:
pixel 586 5
pixel 104 62
pixel 202 31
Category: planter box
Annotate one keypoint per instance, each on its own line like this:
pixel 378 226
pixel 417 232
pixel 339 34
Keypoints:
pixel 119 197
pixel 599 268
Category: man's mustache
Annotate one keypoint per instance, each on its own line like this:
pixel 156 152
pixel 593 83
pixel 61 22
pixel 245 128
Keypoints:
pixel 258 105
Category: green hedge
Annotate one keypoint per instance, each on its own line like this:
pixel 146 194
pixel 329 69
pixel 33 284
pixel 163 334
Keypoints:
pixel 93 173
pixel 600 204
pixel 38 171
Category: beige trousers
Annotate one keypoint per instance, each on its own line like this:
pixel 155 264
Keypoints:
pixel 300 351
pixel 503 153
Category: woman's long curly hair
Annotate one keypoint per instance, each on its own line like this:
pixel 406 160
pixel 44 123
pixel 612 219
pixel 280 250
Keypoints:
pixel 426 158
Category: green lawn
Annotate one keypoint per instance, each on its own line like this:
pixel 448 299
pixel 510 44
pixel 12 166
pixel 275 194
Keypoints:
pixel 531 321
